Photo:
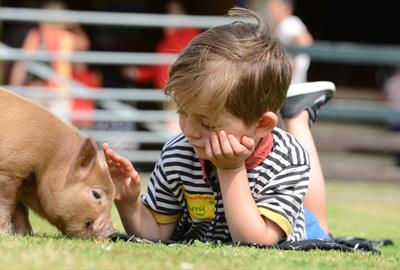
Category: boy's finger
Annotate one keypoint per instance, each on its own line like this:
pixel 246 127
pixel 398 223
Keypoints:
pixel 135 176
pixel 224 143
pixel 108 152
pixel 248 142
pixel 235 144
pixel 105 146
pixel 208 150
pixel 109 162
pixel 215 146
pixel 127 165
pixel 114 156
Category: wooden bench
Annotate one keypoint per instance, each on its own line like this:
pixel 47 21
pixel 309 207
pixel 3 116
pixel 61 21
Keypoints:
pixel 353 149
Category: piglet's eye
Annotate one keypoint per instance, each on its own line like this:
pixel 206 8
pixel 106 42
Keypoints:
pixel 96 195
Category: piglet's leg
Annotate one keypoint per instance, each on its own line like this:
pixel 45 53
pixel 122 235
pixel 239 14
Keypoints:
pixel 20 220
pixel 8 199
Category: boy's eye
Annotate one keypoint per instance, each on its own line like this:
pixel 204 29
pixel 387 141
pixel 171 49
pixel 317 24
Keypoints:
pixel 206 126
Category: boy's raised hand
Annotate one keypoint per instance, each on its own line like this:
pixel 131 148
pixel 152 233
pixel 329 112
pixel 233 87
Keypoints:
pixel 227 152
pixel 124 175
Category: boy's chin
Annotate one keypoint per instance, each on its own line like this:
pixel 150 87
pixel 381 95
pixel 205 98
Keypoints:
pixel 201 153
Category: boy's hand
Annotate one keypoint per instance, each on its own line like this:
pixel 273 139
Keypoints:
pixel 124 175
pixel 226 152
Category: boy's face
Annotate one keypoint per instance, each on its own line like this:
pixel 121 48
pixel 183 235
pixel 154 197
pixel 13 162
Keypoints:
pixel 197 128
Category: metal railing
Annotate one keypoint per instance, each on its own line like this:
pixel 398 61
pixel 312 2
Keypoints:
pixel 114 110
pixel 112 18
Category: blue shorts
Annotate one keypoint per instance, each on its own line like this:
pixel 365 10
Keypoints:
pixel 313 229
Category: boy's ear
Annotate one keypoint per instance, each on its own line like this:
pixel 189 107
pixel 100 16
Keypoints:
pixel 266 124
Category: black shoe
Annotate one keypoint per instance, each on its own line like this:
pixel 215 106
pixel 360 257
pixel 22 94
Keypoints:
pixel 308 96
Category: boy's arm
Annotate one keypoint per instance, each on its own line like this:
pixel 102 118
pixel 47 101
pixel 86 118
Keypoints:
pixel 137 219
pixel 243 217
pixel 135 216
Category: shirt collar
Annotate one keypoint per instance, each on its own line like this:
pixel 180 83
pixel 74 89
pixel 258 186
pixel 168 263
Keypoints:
pixel 256 158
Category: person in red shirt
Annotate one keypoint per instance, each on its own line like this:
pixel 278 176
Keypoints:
pixel 56 38
pixel 173 41
pixel 82 73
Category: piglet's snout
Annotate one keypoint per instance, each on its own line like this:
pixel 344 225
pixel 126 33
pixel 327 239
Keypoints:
pixel 103 228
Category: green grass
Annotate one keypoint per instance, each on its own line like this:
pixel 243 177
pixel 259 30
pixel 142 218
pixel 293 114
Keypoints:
pixel 358 209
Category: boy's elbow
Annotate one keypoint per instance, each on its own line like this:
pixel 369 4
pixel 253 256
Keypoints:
pixel 166 230
pixel 263 238
pixel 270 234
pixel 273 239
pixel 274 233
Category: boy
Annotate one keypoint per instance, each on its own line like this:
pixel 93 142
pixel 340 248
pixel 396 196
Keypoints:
pixel 231 175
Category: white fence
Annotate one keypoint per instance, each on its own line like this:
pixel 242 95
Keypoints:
pixel 111 99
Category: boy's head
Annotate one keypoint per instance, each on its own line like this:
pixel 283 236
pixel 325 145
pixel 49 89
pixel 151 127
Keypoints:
pixel 236 68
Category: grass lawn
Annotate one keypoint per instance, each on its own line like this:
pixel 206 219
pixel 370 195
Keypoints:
pixel 357 209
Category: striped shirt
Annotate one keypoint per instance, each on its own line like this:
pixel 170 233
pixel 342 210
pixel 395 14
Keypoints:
pixel 185 190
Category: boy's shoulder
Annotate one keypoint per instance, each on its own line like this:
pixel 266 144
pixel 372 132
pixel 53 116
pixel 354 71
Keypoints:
pixel 288 147
pixel 178 139
pixel 178 143
pixel 178 155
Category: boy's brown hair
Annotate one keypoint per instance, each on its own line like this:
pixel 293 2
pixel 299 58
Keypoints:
pixel 238 68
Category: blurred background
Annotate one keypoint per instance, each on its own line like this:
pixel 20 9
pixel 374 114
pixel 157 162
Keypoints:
pixel 100 64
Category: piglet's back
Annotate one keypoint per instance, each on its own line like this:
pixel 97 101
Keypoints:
pixel 24 123
pixel 17 110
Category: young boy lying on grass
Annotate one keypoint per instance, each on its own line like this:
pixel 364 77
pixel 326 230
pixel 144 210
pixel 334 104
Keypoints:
pixel 232 174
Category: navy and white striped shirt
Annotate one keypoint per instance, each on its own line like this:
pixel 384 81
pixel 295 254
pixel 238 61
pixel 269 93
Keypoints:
pixel 185 190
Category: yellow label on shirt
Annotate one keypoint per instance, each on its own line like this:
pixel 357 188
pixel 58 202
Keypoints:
pixel 200 206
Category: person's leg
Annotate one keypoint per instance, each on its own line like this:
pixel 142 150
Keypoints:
pixel 315 200
pixel 299 113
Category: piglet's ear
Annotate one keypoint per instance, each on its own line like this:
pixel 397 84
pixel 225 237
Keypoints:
pixel 86 158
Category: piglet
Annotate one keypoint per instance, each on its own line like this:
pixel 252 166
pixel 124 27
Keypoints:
pixel 46 165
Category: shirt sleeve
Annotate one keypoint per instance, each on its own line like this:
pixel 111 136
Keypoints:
pixel 162 196
pixel 282 183
pixel 281 199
